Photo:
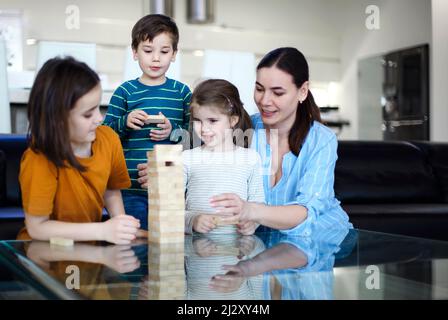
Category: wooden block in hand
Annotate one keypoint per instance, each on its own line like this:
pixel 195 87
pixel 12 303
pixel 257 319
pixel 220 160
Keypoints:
pixel 61 242
pixel 154 119
pixel 220 221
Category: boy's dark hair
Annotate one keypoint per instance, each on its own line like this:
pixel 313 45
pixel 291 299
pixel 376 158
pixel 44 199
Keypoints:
pixel 293 62
pixel 57 87
pixel 150 26
pixel 224 96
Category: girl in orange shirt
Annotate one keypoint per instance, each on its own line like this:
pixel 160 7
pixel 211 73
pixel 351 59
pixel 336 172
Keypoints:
pixel 74 167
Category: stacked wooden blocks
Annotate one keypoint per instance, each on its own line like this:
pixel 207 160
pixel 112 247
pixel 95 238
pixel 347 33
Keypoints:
pixel 166 272
pixel 166 223
pixel 166 211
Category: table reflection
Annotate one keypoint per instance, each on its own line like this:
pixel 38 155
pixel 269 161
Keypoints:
pixel 264 266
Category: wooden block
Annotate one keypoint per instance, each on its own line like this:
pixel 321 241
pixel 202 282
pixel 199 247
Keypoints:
pixel 176 162
pixel 62 242
pixel 158 215
pixel 172 280
pixel 167 221
pixel 163 228
pixel 167 261
pixel 154 119
pixel 226 251
pixel 173 216
pixel 167 202
pixel 157 248
pixel 169 286
pixel 165 172
pixel 170 154
pixel 166 178
pixel 220 222
pixel 172 196
pixel 166 237
pixel 168 183
pixel 160 291
pixel 167 148
pixel 173 190
pixel 158 207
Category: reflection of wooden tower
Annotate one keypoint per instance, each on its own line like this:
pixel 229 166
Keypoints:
pixel 166 223
pixel 166 272
pixel 166 215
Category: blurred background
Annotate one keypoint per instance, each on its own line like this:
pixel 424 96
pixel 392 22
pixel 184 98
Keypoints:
pixel 378 67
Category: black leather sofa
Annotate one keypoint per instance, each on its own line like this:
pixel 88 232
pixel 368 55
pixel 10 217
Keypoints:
pixel 394 187
pixel 12 147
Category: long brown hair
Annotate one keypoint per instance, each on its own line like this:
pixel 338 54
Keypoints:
pixel 224 96
pixel 293 62
pixel 58 85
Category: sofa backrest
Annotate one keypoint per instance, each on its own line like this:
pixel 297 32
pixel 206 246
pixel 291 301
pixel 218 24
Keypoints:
pixel 437 155
pixel 13 146
pixel 384 172
pixel 2 177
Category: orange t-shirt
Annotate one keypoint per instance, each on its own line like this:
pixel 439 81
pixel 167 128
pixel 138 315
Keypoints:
pixel 66 194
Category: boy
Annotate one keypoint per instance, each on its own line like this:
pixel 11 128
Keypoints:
pixel 154 45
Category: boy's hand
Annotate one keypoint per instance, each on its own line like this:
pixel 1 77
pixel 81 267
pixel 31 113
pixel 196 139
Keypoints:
pixel 164 132
pixel 143 175
pixel 136 119
pixel 204 223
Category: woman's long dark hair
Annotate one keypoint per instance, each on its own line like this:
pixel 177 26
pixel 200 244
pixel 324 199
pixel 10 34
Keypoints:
pixel 293 62
pixel 224 96
pixel 58 85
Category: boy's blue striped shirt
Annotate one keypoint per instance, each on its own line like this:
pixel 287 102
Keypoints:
pixel 171 98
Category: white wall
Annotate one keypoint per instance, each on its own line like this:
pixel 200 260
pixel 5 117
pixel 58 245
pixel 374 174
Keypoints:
pixel 251 25
pixel 331 34
pixel 5 119
pixel 439 67
pixel 107 23
pixel 403 23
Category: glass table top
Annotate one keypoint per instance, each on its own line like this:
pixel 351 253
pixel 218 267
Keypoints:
pixel 335 264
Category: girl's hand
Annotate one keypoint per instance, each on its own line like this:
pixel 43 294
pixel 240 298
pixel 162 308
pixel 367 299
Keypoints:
pixel 136 119
pixel 121 229
pixel 204 223
pixel 164 132
pixel 230 203
pixel 143 175
pixel 204 247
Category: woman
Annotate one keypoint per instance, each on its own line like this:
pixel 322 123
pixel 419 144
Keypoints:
pixel 298 153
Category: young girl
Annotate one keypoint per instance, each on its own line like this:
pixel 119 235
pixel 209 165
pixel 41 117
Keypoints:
pixel 73 167
pixel 222 164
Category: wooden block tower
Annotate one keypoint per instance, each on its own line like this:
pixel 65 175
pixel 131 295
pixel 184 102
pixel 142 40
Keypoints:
pixel 166 223
pixel 166 210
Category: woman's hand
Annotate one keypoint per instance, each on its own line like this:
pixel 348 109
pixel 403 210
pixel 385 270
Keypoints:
pixel 164 132
pixel 246 245
pixel 247 228
pixel 120 229
pixel 230 203
pixel 226 283
pixel 136 119
pixel 204 223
